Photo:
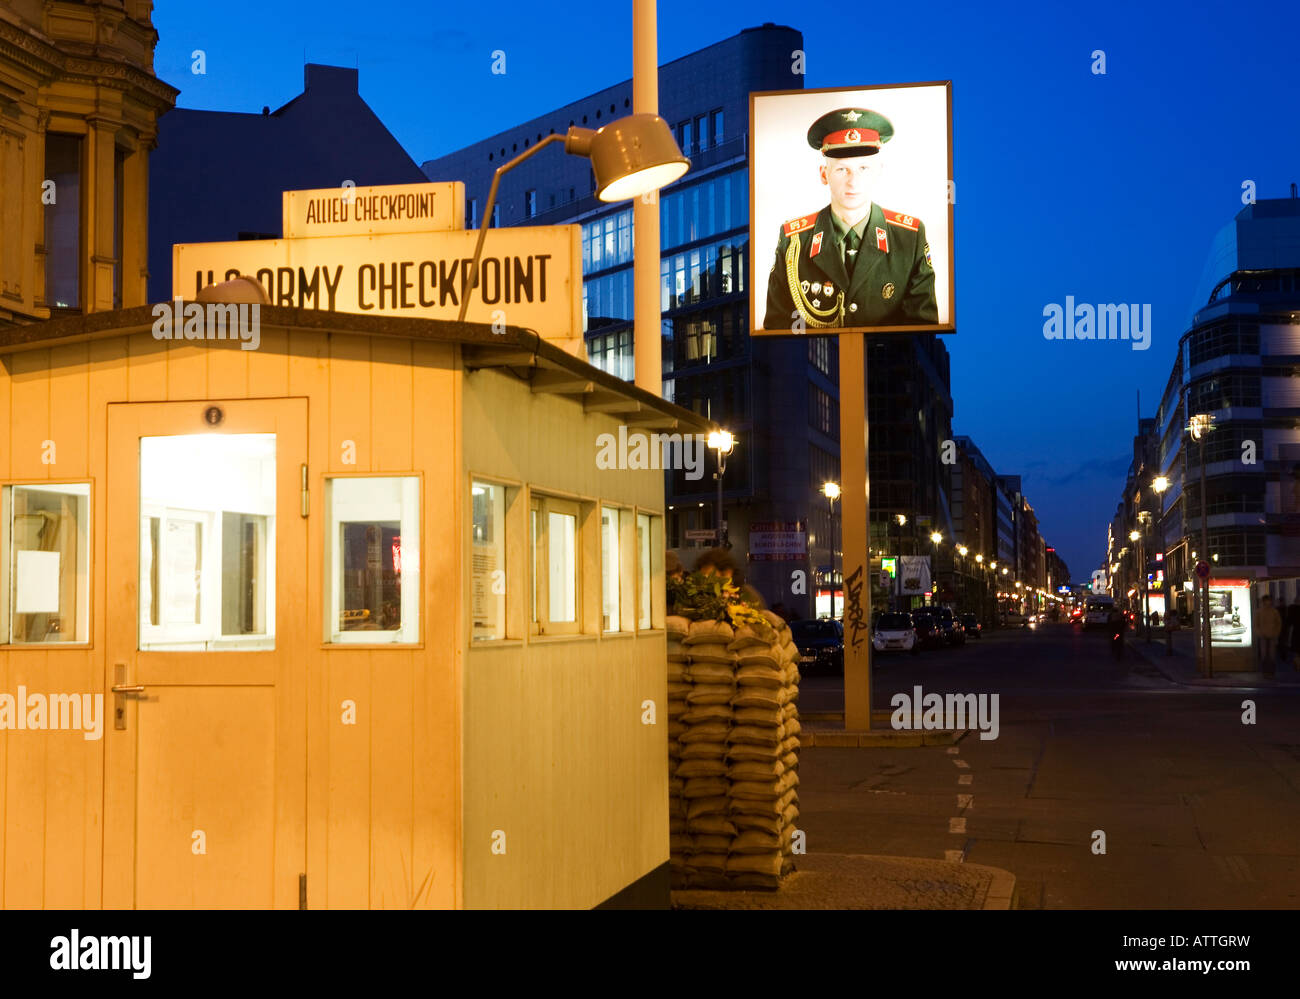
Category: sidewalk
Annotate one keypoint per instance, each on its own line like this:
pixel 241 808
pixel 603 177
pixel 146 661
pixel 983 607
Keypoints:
pixel 843 881
pixel 868 881
pixel 1180 667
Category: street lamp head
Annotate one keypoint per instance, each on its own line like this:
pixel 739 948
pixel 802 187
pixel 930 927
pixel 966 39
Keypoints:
pixel 979 559
pixel 901 518
pixel 936 537
pixel 831 490
pixel 722 441
pixel 1133 535
pixel 962 550
pixel 1161 483
pixel 1004 570
pixel 1199 425
pixel 993 566
pixel 629 157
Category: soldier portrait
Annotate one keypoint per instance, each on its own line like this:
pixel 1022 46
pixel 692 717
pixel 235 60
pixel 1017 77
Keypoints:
pixel 865 256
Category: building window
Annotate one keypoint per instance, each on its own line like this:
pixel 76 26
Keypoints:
pixel 610 569
pixel 649 541
pixel 702 133
pixel 553 539
pixel 207 542
pixel 373 553
pixel 716 120
pixel 488 566
pixel 46 567
pixel 530 204
pixel 471 214
pixel 496 216
pixel 63 222
pixel 684 136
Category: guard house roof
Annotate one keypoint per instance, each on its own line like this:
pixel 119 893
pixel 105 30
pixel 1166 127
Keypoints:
pixel 519 351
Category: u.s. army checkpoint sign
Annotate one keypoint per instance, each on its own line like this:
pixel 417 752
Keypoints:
pixel 529 276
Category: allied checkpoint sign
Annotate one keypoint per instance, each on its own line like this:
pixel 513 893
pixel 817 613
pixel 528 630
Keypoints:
pixel 395 251
pixel 851 232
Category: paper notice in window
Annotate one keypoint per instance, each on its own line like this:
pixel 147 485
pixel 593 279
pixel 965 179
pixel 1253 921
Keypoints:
pixel 38 583
pixel 486 604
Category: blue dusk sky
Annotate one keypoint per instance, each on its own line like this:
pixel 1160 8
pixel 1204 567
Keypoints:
pixel 1107 188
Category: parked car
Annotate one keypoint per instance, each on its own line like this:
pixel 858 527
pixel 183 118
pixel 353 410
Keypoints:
pixel 894 632
pixel 953 632
pixel 972 625
pixel 1012 619
pixel 928 629
pixel 820 644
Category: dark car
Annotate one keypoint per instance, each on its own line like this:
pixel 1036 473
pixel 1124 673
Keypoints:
pixel 953 632
pixel 929 629
pixel 972 625
pixel 820 644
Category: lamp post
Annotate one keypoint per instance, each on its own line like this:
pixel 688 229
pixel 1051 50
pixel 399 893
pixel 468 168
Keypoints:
pixel 631 156
pixel 1160 483
pixel 935 538
pixel 723 442
pixel 898 569
pixel 831 491
pixel 1200 425
pixel 1137 538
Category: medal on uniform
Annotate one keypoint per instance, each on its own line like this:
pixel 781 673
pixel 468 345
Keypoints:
pixel 816 246
pixel 827 289
pixel 887 292
pixel 882 240
pixel 803 286
pixel 816 287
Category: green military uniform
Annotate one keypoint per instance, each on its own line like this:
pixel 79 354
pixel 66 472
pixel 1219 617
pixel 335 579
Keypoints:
pixel 878 273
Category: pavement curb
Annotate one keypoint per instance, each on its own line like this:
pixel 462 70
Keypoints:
pixel 1226 681
pixel 897 739
pixel 1002 891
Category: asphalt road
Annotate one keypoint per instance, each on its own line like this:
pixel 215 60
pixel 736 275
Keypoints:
pixel 1198 809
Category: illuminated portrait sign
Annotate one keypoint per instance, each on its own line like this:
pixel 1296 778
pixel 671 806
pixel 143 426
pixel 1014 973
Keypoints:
pixel 851 210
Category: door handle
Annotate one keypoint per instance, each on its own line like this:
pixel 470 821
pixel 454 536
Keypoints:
pixel 120 689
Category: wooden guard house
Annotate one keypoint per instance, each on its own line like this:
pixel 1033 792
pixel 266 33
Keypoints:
pixel 367 624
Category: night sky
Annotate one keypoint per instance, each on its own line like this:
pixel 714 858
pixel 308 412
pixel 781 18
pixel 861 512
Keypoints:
pixel 1107 188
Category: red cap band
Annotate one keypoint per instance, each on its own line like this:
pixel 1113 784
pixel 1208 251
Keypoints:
pixel 852 137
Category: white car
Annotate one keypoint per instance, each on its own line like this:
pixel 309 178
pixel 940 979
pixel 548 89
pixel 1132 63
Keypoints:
pixel 894 632
pixel 1097 612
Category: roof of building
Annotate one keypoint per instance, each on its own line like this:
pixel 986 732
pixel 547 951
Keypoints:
pixel 517 351
pixel 217 174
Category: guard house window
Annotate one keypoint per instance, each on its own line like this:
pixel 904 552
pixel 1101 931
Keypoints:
pixel 46 567
pixel 649 540
pixel 488 568
pixel 63 221
pixel 530 204
pixel 554 538
pixel 207 542
pixel 373 551
pixel 610 568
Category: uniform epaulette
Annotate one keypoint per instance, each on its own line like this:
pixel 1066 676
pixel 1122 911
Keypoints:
pixel 799 224
pixel 906 221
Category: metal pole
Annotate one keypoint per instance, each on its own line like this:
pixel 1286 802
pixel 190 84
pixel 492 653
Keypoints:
pixel 647 335
pixel 1205 554
pixel 854 506
pixel 721 468
pixel 831 501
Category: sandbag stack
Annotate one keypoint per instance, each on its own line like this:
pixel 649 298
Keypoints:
pixel 733 750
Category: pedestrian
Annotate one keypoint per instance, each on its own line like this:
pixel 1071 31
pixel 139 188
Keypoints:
pixel 1284 636
pixel 1118 625
pixel 1269 627
pixel 1293 619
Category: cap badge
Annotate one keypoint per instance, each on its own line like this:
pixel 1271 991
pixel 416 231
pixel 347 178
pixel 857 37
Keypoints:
pixel 852 135
pixel 851 115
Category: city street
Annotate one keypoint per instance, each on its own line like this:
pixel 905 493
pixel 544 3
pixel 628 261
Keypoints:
pixel 1198 809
